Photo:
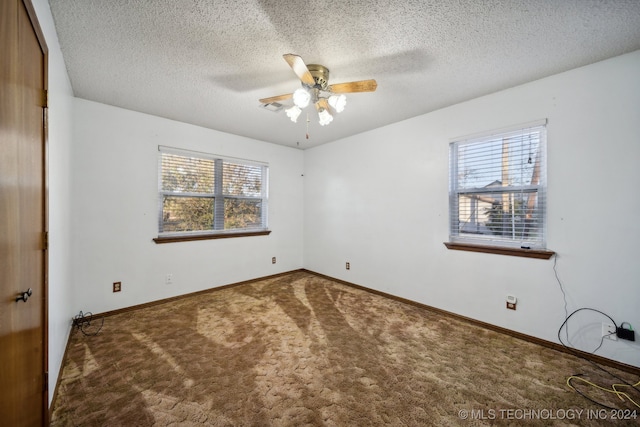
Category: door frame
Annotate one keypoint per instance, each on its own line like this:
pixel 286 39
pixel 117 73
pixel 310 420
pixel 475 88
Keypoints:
pixel 31 12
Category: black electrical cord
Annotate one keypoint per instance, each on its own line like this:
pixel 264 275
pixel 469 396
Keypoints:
pixel 564 295
pixel 587 397
pixel 580 355
pixel 576 311
pixel 83 321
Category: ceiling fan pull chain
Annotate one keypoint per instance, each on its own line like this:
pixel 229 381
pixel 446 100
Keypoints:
pixel 307 125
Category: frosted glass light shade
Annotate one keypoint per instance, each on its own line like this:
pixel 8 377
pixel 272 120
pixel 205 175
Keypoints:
pixel 338 102
pixel 293 113
pixel 301 97
pixel 325 117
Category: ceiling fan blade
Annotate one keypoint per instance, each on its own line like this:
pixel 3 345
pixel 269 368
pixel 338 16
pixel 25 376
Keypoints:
pixel 299 67
pixel 276 98
pixel 351 87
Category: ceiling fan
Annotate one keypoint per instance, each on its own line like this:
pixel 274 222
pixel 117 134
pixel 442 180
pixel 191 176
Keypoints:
pixel 317 90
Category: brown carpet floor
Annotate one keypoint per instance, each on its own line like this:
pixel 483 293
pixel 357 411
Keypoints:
pixel 300 349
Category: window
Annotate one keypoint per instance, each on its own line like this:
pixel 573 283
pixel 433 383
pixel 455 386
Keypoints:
pixel 204 194
pixel 497 186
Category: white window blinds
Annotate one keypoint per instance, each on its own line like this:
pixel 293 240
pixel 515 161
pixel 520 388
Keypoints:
pixel 204 193
pixel 497 188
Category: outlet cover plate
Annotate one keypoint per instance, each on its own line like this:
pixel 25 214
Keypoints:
pixel 609 331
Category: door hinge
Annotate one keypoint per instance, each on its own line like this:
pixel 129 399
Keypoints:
pixel 45 98
pixel 45 241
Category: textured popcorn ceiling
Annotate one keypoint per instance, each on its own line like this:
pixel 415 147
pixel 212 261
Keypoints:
pixel 207 62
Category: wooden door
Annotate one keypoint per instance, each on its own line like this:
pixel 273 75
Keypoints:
pixel 23 365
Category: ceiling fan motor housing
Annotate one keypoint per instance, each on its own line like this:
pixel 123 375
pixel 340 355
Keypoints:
pixel 320 75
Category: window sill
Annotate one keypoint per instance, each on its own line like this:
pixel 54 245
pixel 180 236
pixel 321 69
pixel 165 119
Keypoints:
pixel 173 239
pixel 500 250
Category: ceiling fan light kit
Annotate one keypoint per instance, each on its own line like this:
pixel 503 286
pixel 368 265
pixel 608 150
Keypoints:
pixel 293 113
pixel 324 117
pixel 316 89
pixel 301 97
pixel 338 102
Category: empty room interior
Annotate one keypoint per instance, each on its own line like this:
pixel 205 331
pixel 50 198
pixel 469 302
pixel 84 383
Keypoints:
pixel 481 184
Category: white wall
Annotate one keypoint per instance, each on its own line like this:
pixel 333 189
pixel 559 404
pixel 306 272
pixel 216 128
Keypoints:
pixel 380 201
pixel 115 207
pixel 59 133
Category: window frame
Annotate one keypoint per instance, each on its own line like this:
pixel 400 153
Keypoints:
pixel 218 196
pixel 484 242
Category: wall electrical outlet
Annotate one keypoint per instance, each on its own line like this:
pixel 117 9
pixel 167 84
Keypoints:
pixel 168 279
pixel 348 266
pixel 273 260
pixel 609 331
pixel 117 286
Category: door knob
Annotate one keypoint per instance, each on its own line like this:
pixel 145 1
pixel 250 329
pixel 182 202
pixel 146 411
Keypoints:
pixel 24 296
